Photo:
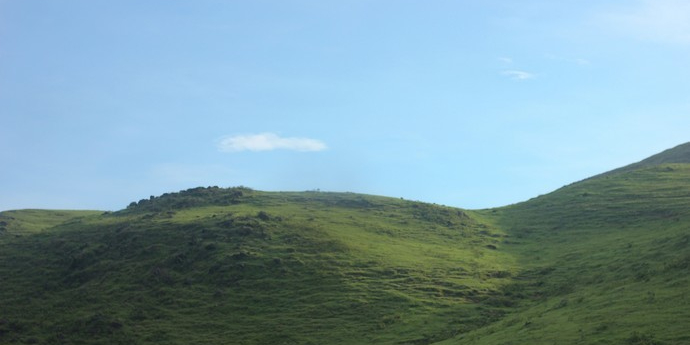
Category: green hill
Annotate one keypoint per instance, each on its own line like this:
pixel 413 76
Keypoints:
pixel 601 261
pixel 679 154
pixel 212 265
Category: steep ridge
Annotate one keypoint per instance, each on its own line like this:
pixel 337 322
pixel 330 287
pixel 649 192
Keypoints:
pixel 679 154
pixel 605 260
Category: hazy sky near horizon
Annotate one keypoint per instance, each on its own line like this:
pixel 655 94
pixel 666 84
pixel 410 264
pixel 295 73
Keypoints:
pixel 466 103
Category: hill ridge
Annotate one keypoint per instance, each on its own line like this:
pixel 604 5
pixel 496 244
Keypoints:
pixel 679 154
pixel 601 261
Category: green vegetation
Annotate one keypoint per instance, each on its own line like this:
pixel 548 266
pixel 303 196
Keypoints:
pixel 255 267
pixel 23 222
pixel 602 261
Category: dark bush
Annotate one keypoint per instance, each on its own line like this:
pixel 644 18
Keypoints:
pixel 263 215
pixel 637 338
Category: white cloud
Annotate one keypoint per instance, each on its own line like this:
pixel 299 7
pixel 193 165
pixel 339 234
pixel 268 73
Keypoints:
pixel 657 20
pixel 519 75
pixel 268 142
pixel 506 60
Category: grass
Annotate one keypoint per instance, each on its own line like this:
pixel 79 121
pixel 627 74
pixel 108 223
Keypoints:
pixel 601 261
pixel 24 222
pixel 335 268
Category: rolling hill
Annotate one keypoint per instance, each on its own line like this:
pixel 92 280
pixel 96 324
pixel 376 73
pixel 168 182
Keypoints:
pixel 601 261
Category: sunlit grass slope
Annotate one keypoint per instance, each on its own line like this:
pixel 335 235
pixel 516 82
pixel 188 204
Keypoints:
pixel 22 222
pixel 603 261
pixel 236 266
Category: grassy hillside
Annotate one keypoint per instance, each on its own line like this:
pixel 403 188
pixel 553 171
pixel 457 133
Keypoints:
pixel 677 155
pixel 601 261
pixel 23 222
pixel 235 266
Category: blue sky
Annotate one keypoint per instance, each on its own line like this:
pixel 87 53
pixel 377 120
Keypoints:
pixel 464 103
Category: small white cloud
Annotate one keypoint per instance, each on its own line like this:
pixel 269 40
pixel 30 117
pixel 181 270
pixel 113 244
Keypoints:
pixel 506 60
pixel 657 20
pixel 518 75
pixel 268 142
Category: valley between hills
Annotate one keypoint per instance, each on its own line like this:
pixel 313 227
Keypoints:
pixel 605 260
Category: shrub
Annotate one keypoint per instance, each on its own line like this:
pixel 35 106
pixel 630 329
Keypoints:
pixel 637 338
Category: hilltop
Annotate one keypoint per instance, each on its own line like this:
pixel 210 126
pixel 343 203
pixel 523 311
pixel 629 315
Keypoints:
pixel 677 155
pixel 601 261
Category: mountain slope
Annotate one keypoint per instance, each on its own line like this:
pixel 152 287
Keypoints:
pixel 677 155
pixel 601 261
pixel 234 266
pixel 605 260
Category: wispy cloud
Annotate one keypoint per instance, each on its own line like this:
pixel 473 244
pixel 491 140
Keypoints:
pixel 518 75
pixel 506 60
pixel 657 20
pixel 268 142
